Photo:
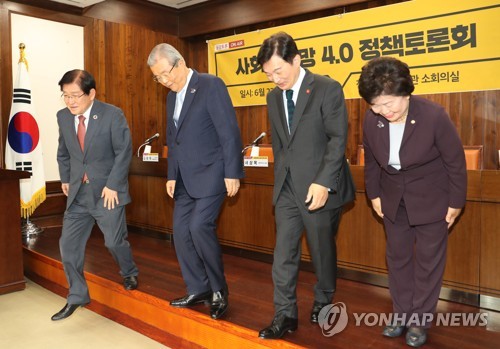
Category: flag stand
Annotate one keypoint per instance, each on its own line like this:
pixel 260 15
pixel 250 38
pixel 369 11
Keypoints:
pixel 29 228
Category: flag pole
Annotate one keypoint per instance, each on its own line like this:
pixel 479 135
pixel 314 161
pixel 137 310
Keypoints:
pixel 22 55
pixel 28 228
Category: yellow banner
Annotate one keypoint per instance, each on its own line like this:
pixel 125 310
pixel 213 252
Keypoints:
pixel 450 46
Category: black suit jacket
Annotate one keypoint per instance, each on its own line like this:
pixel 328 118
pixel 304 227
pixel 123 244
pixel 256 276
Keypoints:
pixel 314 150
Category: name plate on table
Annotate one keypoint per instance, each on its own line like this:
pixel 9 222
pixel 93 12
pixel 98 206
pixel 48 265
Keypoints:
pixel 256 161
pixel 150 157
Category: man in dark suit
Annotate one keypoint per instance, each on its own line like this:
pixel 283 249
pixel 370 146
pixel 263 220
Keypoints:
pixel 204 165
pixel 94 155
pixel 312 180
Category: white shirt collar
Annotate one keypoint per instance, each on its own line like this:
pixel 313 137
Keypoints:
pixel 86 113
pixel 182 92
pixel 296 86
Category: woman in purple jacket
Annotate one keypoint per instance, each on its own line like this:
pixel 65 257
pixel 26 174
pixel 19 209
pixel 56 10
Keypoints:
pixel 416 180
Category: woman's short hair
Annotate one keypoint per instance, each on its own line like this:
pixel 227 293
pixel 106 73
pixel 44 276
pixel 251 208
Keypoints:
pixel 80 77
pixel 385 76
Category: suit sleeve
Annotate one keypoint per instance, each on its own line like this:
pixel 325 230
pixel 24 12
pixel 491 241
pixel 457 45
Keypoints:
pixel 122 148
pixel 63 158
pixel 172 157
pixel 452 153
pixel 372 168
pixel 334 113
pixel 277 145
pixel 221 111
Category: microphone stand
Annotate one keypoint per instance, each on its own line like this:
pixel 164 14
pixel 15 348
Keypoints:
pixel 142 145
pixel 255 143
pixel 247 147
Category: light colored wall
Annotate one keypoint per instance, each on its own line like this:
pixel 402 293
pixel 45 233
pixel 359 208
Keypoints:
pixel 52 48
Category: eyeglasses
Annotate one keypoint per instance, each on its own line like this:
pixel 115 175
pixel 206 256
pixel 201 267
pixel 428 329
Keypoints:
pixel 71 97
pixel 163 77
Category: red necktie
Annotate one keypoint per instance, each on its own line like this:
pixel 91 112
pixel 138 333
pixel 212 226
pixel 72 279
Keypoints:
pixel 81 131
pixel 81 136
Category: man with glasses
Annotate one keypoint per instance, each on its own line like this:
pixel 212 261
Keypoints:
pixel 94 154
pixel 204 165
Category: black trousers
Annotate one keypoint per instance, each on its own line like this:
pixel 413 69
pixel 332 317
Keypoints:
pixel 321 228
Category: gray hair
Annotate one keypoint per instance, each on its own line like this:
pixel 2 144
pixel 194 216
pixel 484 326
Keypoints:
pixel 164 51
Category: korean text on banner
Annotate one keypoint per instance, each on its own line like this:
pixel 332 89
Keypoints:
pixel 450 46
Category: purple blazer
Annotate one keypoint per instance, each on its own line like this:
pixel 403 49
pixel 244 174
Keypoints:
pixel 433 173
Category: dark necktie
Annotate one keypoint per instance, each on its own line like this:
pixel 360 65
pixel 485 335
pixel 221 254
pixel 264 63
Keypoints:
pixel 291 108
pixel 81 136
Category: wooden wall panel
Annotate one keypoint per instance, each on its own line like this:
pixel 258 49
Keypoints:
pixel 145 14
pixel 490 234
pixel 490 263
pixel 5 79
pixel 241 211
pixel 150 207
pixel 464 248
pixel 361 238
pixel 125 79
pixel 492 130
pixel 221 15
pixel 490 247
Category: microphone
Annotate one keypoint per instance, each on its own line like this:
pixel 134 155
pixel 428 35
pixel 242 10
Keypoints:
pixel 146 142
pixel 255 142
pixel 150 139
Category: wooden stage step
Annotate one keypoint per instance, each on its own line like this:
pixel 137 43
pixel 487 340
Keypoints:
pixel 192 328
pixel 147 309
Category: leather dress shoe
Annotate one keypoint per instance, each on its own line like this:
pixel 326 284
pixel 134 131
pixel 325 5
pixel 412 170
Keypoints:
pixel 317 306
pixel 66 311
pixel 280 325
pixel 219 304
pixel 192 299
pixel 393 330
pixel 130 283
pixel 416 337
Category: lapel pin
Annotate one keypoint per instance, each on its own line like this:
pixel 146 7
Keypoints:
pixel 193 90
pixel 94 117
pixel 380 124
pixel 412 122
pixel 308 91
